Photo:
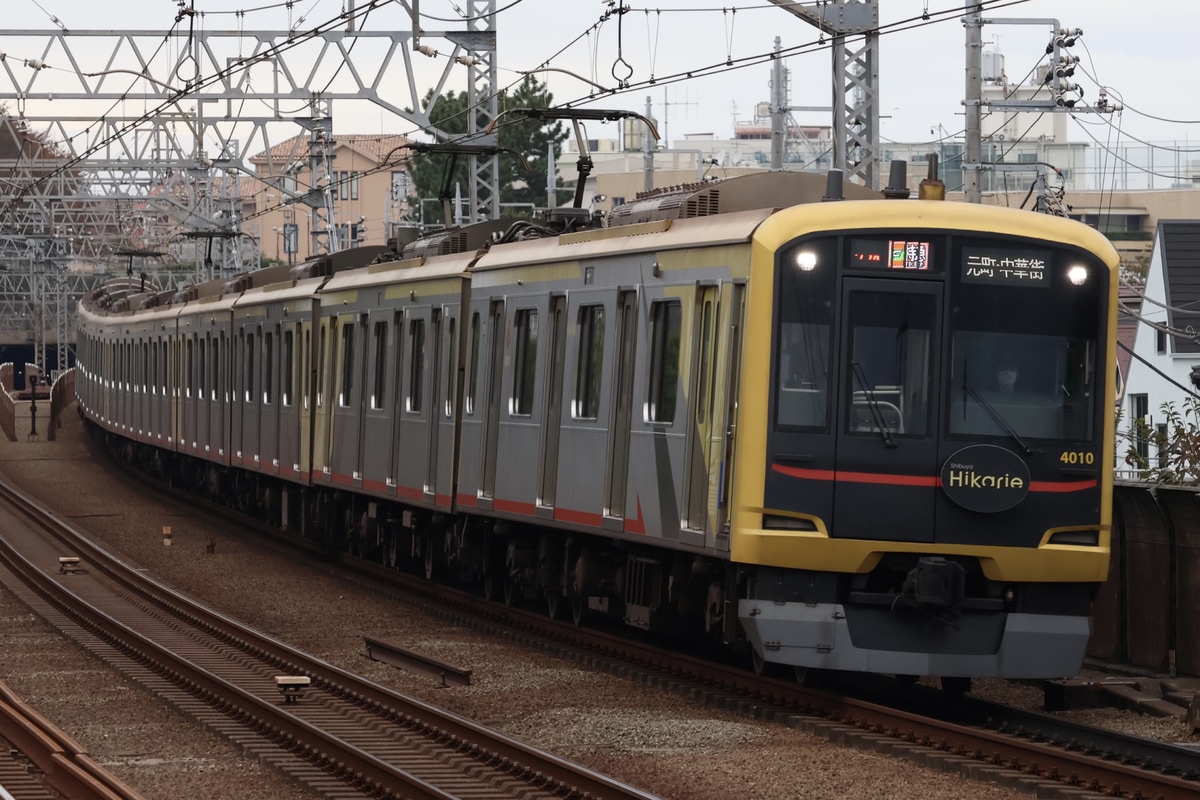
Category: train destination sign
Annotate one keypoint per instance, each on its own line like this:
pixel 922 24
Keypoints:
pixel 1010 267
pixel 898 254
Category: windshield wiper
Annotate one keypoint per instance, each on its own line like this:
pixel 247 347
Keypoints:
pixel 873 404
pixel 997 417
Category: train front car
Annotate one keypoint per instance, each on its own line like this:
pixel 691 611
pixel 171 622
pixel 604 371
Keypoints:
pixel 923 483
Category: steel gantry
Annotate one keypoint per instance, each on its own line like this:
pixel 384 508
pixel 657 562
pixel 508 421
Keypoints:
pixel 163 124
pixel 854 28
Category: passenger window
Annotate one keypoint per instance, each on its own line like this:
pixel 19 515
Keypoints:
pixel 590 362
pixel 664 361
pixel 524 362
pixel 416 364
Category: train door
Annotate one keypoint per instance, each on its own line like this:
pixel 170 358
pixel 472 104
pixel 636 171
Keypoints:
pixel 734 321
pixel 548 468
pixel 491 425
pixel 444 414
pixel 886 438
pixel 237 403
pixel 700 413
pixel 203 404
pixel 251 404
pixel 378 421
pixel 268 442
pixel 346 438
pixel 219 407
pixel 617 480
pixel 289 425
pixel 432 375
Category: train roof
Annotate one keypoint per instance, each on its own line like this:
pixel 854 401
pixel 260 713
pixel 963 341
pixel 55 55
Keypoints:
pixel 660 235
pixel 740 193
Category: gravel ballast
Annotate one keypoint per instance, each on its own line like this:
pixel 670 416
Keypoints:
pixel 657 741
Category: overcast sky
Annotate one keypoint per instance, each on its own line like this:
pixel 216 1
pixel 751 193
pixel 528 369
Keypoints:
pixel 1146 52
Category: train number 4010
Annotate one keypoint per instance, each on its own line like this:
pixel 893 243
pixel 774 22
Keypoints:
pixel 1077 457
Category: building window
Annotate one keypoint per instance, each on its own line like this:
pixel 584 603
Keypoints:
pixel 664 361
pixel 1160 339
pixel 524 363
pixel 343 179
pixel 1140 406
pixel 353 185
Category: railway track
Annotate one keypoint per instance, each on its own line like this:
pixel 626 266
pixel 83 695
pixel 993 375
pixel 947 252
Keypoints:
pixel 1035 751
pixel 331 730
pixel 45 763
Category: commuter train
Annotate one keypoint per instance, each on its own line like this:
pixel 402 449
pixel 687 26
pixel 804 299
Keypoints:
pixel 837 430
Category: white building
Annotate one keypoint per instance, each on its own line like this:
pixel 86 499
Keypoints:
pixel 1165 367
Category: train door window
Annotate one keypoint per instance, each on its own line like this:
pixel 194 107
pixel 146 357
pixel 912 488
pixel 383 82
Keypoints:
pixel 305 366
pixel 268 388
pixel 705 357
pixel 665 318
pixel 416 364
pixel 451 360
pixel 215 366
pixel 379 385
pixel 889 364
pixel 347 374
pixel 187 386
pixel 146 367
pixel 163 368
pixel 590 363
pixel 321 367
pixel 473 369
pixel 287 361
pixel 201 369
pixel 524 362
pixel 250 365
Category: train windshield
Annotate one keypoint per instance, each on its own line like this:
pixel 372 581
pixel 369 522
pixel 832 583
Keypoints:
pixel 1023 343
pixel 991 338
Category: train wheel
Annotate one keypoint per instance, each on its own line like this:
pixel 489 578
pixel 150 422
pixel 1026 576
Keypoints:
pixel 759 663
pixel 555 605
pixel 805 676
pixel 578 609
pixel 491 585
pixel 511 594
pixel 956 686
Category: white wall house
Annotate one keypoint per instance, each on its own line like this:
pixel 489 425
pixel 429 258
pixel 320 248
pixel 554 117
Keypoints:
pixel 1166 347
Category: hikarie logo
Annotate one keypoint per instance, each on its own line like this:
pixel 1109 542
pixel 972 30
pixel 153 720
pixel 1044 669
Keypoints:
pixel 985 478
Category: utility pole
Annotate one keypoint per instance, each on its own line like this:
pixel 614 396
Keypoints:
pixel 973 20
pixel 854 26
pixel 647 155
pixel 1061 97
pixel 779 102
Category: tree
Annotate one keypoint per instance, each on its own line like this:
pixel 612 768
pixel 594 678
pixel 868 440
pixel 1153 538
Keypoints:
pixel 1177 444
pixel 529 138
